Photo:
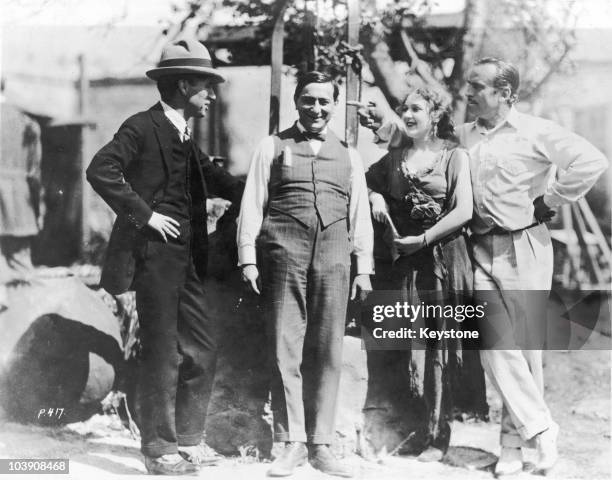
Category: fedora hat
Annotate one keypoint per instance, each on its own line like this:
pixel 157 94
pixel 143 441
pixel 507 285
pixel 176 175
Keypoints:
pixel 185 56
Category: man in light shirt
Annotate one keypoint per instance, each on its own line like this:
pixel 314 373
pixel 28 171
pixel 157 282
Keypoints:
pixel 522 167
pixel 514 159
pixel 304 211
pixel 156 180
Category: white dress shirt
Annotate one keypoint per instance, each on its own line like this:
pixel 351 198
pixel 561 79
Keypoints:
pixel 255 200
pixel 177 120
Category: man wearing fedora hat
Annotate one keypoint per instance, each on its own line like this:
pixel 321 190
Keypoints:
pixel 156 180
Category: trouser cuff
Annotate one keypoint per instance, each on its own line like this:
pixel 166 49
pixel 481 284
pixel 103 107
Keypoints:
pixel 158 449
pixel 528 432
pixel 524 435
pixel 288 437
pixel 189 440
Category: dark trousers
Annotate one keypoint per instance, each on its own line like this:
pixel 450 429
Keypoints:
pixel 305 279
pixel 178 355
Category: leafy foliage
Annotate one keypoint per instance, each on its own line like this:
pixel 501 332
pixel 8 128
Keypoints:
pixel 534 34
pixel 526 33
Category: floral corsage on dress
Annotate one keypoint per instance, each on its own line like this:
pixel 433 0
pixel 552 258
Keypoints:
pixel 415 208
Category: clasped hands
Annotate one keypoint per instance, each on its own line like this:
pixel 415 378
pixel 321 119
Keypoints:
pixel 410 244
pixel 250 276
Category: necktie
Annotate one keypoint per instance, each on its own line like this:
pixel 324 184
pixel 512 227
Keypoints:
pixel 186 134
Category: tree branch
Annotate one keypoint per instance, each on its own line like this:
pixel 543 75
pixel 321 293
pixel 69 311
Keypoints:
pixel 552 69
pixel 382 66
pixel 420 67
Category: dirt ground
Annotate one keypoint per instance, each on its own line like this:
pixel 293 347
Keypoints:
pixel 577 390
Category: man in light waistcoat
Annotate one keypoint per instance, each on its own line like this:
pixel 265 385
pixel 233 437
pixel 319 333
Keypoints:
pixel 305 210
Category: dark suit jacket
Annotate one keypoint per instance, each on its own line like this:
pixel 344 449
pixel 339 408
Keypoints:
pixel 131 173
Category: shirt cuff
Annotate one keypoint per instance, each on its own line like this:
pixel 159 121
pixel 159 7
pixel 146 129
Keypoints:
pixel 553 201
pixel 247 255
pixel 365 265
pixel 382 135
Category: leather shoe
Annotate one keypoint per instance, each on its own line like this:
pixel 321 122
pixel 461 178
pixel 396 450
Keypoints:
pixel 547 449
pixel 510 461
pixel 294 455
pixel 171 464
pixel 200 454
pixel 321 458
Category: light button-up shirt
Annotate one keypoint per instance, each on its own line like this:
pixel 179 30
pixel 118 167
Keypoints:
pixel 177 120
pixel 516 162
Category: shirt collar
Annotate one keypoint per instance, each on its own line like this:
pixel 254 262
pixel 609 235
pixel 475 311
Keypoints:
pixel 513 119
pixel 302 129
pixel 175 118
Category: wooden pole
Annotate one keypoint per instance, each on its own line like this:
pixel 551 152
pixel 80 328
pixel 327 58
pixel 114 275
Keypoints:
pixel 83 86
pixel 589 249
pixel 83 107
pixel 571 267
pixel 310 28
pixel 276 66
pixel 353 78
pixel 594 226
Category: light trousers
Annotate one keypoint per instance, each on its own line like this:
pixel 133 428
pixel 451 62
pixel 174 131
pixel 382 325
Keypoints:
pixel 506 264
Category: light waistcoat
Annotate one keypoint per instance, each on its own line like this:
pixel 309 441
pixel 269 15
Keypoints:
pixel 301 180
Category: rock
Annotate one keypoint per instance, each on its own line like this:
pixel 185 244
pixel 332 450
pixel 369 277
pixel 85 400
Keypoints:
pixel 351 396
pixel 62 350
pixel 394 403
pixel 237 408
pixel 469 458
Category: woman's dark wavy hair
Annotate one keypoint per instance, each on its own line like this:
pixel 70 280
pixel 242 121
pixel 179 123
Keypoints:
pixel 439 110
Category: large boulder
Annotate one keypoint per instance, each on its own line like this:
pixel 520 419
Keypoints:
pixel 351 396
pixel 236 415
pixel 61 349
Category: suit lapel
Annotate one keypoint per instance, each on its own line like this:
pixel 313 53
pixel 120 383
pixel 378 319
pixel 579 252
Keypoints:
pixel 197 156
pixel 163 132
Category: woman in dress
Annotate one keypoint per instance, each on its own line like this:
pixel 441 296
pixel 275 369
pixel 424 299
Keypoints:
pixel 421 191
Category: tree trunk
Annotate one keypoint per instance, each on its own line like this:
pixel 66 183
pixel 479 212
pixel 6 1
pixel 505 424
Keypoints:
pixel 475 16
pixel 278 35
